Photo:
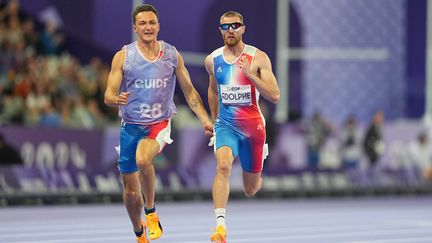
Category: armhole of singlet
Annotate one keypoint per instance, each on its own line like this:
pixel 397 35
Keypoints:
pixel 175 54
pixel 215 54
pixel 125 56
pixel 213 65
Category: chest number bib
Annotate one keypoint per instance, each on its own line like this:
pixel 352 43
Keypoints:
pixel 236 95
pixel 153 111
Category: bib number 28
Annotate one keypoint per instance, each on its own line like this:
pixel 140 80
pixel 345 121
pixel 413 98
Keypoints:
pixel 151 111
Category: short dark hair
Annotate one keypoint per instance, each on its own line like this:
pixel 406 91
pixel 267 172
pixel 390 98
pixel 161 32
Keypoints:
pixel 232 14
pixel 144 8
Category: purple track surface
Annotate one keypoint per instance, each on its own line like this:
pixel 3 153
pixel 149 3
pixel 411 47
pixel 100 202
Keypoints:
pixel 354 220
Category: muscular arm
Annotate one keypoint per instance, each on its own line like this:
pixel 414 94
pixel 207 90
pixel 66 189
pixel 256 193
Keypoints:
pixel 261 74
pixel 212 89
pixel 112 96
pixel 192 97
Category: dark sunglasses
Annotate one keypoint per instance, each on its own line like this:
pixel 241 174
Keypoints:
pixel 233 26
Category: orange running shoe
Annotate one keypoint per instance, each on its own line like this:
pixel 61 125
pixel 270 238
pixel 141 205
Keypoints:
pixel 219 236
pixel 154 226
pixel 143 237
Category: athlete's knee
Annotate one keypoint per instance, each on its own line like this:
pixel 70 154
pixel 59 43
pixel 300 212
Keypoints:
pixel 132 195
pixel 144 161
pixel 224 168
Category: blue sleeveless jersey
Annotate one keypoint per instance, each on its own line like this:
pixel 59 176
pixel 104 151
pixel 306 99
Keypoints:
pixel 151 85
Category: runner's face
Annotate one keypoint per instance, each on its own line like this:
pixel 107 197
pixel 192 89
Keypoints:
pixel 232 36
pixel 146 26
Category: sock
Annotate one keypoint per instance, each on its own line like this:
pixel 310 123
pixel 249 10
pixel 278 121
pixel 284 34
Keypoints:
pixel 138 234
pixel 220 216
pixel 149 211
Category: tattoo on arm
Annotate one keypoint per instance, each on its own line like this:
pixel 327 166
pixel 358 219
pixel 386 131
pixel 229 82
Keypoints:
pixel 193 102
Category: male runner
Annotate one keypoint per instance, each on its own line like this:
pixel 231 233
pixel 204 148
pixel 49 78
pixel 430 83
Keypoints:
pixel 238 74
pixel 141 83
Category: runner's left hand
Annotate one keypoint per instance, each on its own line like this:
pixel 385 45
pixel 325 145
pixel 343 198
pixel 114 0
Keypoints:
pixel 208 128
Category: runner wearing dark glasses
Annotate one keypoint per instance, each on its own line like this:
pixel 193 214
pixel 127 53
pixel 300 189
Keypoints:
pixel 235 26
pixel 238 74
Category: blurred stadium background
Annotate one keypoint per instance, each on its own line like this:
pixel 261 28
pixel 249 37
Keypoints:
pixel 334 59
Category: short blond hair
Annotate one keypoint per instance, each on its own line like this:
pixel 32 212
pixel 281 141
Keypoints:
pixel 232 14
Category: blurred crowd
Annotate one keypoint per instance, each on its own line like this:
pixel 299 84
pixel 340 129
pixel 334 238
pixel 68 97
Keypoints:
pixel 41 84
pixel 364 149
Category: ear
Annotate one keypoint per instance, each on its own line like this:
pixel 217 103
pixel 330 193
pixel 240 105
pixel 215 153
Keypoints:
pixel 134 28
